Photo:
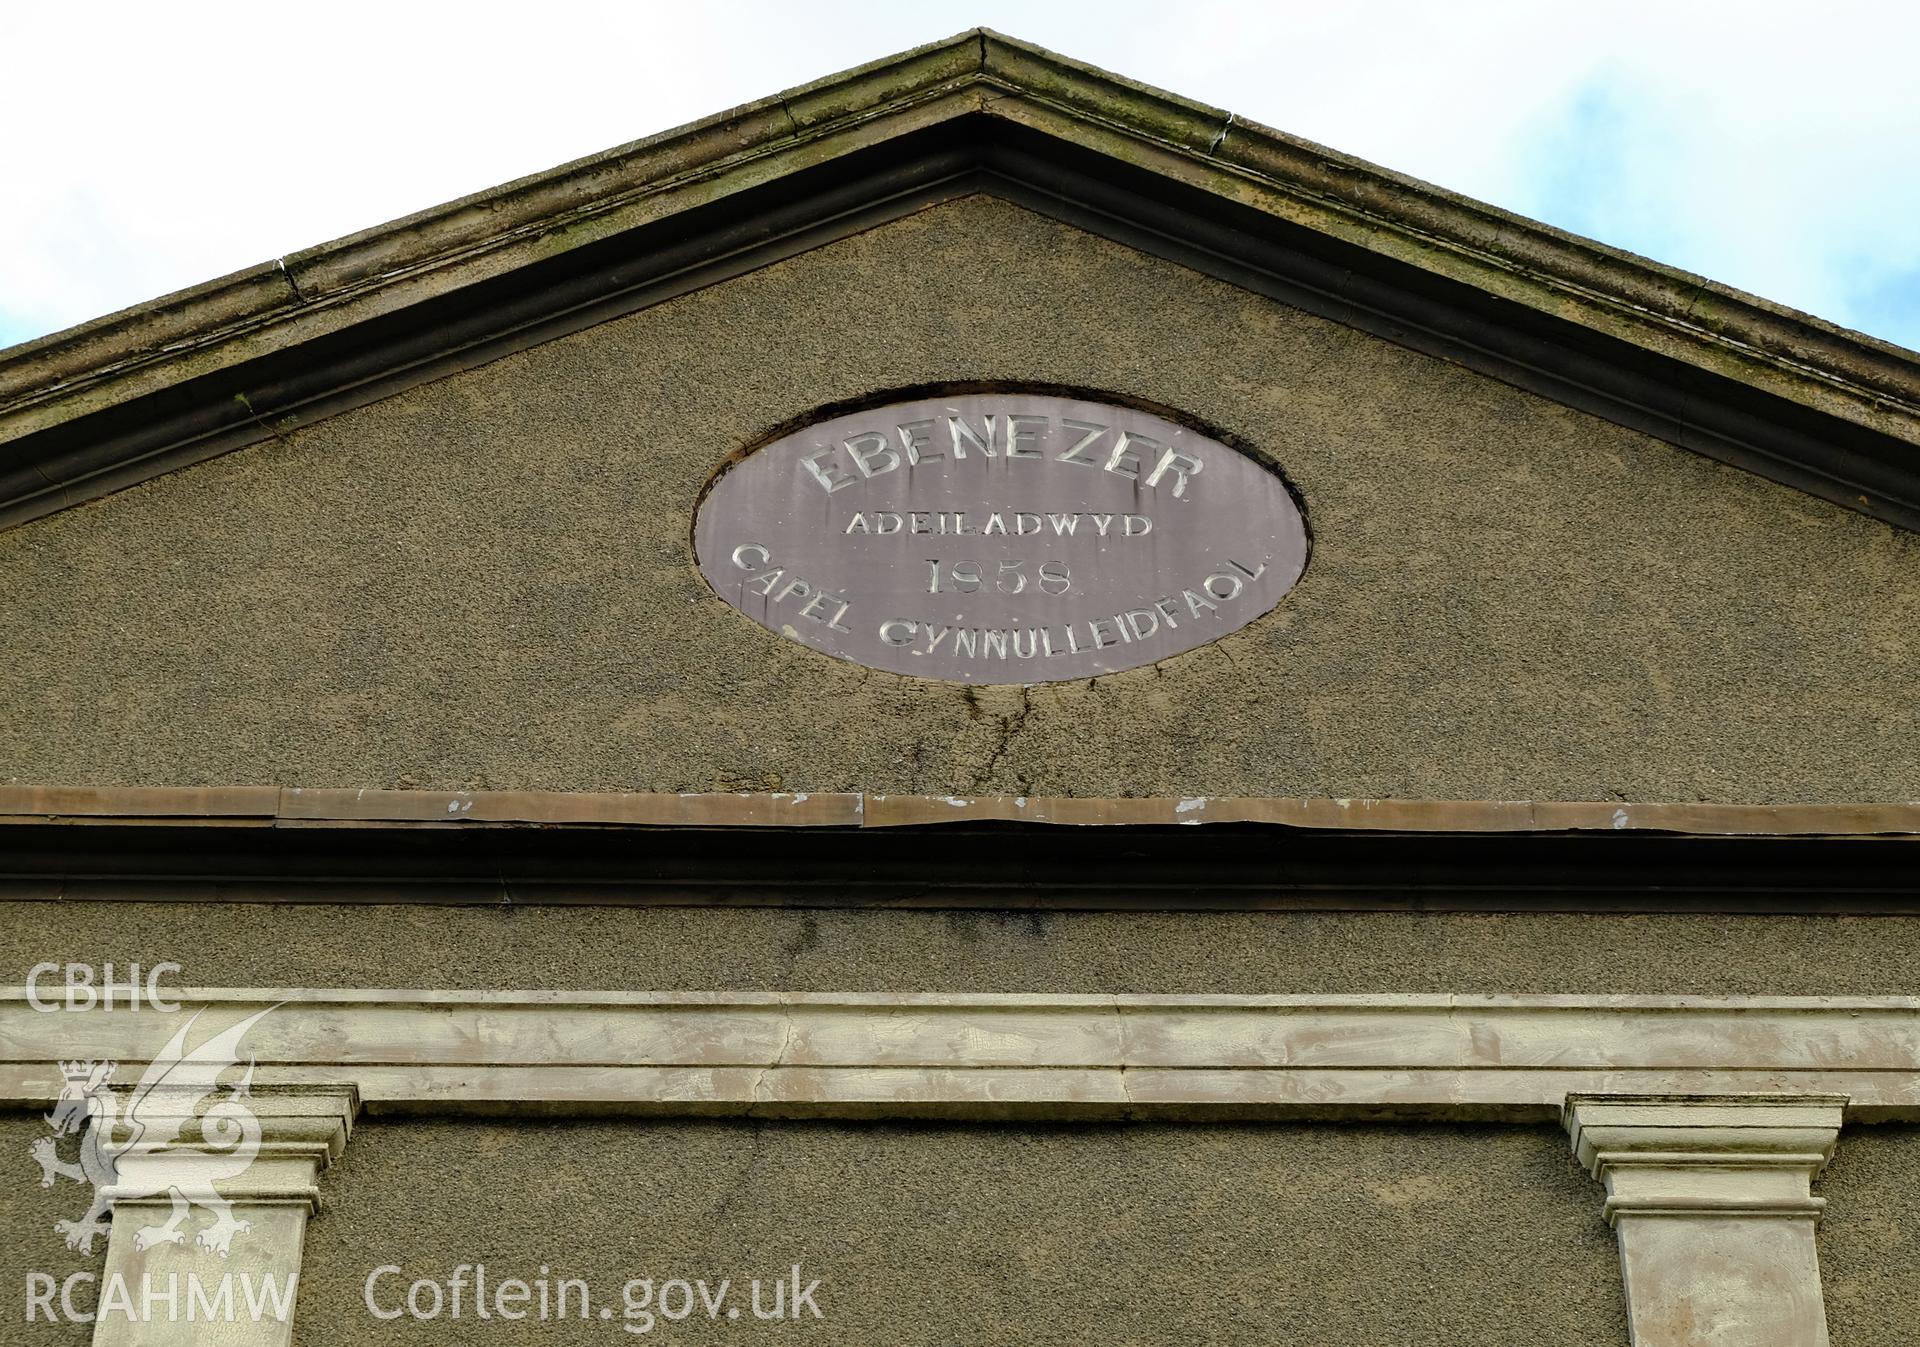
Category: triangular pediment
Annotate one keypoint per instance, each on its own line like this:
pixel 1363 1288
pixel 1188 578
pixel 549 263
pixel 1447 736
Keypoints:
pixel 90 410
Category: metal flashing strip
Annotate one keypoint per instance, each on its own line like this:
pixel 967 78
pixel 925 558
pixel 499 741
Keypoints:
pixel 868 1055
pixel 277 806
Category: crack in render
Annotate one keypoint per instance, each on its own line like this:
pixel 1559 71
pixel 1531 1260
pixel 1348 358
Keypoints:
pixel 1010 726
pixel 744 1179
pixel 756 1093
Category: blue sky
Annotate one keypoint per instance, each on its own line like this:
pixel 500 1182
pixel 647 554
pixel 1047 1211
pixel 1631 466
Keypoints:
pixel 1761 144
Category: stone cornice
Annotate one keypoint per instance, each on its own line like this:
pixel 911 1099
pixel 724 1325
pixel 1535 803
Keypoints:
pixel 995 1056
pixel 273 304
pixel 1716 332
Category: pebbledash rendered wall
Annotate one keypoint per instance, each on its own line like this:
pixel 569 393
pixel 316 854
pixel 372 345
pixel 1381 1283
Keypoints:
pixel 487 582
pixel 930 1233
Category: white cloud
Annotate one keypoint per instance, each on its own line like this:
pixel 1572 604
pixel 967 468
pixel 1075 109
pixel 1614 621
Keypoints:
pixel 152 147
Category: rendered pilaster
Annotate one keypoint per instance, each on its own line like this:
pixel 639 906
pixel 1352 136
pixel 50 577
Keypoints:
pixel 1710 1199
pixel 225 1273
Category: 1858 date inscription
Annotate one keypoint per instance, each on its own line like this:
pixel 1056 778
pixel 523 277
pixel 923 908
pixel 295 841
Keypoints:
pixel 1000 538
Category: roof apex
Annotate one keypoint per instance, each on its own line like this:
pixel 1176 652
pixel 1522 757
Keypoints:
pixel 58 381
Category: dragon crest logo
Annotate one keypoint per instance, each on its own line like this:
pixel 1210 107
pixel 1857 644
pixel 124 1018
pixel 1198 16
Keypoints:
pixel 163 1112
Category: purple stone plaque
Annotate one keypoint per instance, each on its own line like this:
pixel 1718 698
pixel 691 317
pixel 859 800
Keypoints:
pixel 1000 538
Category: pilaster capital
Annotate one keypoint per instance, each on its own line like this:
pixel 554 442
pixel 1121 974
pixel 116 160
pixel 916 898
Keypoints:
pixel 264 1146
pixel 1705 1155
